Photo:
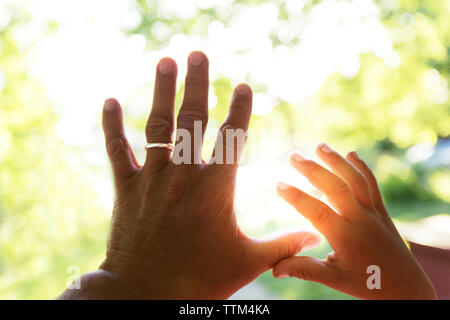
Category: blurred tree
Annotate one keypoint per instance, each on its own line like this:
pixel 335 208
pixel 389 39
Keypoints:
pixel 49 216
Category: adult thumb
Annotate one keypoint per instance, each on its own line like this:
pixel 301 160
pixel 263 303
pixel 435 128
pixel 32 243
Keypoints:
pixel 305 268
pixel 276 247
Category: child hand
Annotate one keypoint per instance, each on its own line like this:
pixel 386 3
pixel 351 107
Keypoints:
pixel 370 259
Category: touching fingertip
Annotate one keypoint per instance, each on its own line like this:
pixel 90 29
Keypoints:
pixel 296 156
pixel 167 66
pixel 283 186
pixel 110 104
pixel 281 276
pixel 353 154
pixel 325 148
pixel 196 58
pixel 243 90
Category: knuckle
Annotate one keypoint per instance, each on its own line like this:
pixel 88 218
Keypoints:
pixel 284 250
pixel 303 273
pixel 174 188
pixel 290 249
pixel 322 213
pixel 340 188
pixel 298 199
pixel 366 170
pixel 360 181
pixel 115 148
pixel 313 170
pixel 158 128
pixel 334 159
pixel 228 125
pixel 312 167
pixel 241 105
pixel 187 118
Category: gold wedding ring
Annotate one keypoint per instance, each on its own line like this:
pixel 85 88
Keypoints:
pixel 159 145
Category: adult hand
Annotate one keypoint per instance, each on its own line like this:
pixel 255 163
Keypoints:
pixel 174 232
pixel 358 229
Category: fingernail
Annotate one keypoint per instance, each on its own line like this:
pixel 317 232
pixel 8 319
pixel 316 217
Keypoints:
pixel 282 186
pixel 325 148
pixel 109 105
pixel 354 154
pixel 166 66
pixel 243 90
pixel 196 58
pixel 282 275
pixel 297 156
pixel 308 243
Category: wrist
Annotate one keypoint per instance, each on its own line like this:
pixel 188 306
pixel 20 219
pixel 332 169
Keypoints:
pixel 95 285
pixel 154 281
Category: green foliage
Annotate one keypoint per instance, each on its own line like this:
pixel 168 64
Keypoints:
pixel 49 215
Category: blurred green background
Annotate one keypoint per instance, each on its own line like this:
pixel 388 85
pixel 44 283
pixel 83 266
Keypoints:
pixel 362 75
